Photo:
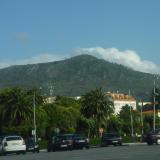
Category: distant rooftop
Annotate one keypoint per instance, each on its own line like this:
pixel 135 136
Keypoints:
pixel 121 96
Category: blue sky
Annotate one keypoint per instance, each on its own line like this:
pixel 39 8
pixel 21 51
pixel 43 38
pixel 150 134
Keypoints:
pixel 122 31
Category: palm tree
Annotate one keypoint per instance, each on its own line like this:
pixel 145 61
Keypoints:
pixel 96 105
pixel 15 106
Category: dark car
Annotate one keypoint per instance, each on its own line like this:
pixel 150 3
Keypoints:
pixel 111 139
pixel 80 141
pixel 61 142
pixel 152 137
pixel 31 145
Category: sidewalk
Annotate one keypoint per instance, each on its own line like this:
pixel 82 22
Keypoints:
pixel 134 143
pixel 124 144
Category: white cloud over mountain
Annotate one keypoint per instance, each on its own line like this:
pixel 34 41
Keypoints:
pixel 127 58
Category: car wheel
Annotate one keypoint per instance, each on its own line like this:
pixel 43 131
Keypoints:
pixel 4 153
pixel 149 142
pixel 49 149
pixel 70 148
pixel 157 141
pixel 120 144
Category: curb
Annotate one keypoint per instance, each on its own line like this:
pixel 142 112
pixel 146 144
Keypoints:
pixel 134 144
pixel 98 146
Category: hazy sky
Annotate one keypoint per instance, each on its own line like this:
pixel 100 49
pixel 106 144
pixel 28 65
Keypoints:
pixel 122 31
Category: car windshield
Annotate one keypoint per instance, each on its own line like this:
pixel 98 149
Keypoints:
pixel 78 136
pixel 58 138
pixel 13 138
pixel 111 135
pixel 69 136
pixel 31 141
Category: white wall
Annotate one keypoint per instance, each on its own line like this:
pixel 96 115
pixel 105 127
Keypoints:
pixel 119 104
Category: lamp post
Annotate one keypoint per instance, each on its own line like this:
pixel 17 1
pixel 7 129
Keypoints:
pixel 131 121
pixel 154 100
pixel 142 117
pixel 34 118
pixel 131 117
pixel 154 105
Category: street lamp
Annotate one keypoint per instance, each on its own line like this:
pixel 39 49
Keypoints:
pixel 154 101
pixel 131 117
pixel 142 117
pixel 154 105
pixel 34 118
pixel 131 120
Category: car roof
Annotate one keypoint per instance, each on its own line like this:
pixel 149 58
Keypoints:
pixel 111 134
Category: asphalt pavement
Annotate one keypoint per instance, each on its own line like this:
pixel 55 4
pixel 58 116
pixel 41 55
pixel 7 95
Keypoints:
pixel 132 152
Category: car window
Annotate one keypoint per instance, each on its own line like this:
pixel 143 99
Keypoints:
pixel 69 136
pixel 79 135
pixel 13 138
pixel 31 141
pixel 58 138
pixel 111 135
pixel 1 140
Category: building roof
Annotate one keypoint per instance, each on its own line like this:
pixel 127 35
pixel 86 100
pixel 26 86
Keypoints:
pixel 121 97
pixel 149 107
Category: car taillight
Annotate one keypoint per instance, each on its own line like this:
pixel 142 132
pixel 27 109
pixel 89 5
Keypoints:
pixel 87 140
pixel 23 142
pixel 5 144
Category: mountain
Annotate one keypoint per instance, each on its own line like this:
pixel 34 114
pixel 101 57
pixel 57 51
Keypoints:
pixel 78 75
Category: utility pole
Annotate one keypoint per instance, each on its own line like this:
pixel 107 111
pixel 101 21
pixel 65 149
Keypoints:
pixel 34 118
pixel 131 117
pixel 154 105
pixel 142 117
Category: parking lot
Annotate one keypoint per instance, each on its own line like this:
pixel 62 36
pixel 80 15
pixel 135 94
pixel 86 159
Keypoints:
pixel 131 152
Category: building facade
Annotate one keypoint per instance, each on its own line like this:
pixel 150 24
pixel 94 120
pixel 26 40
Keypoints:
pixel 120 100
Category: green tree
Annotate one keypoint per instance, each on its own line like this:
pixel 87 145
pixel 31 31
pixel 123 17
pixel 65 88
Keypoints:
pixel 125 116
pixel 97 106
pixel 16 109
pixel 114 124
pixel 14 106
pixel 62 114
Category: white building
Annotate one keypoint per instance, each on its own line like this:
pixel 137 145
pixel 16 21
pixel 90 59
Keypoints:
pixel 120 100
pixel 50 99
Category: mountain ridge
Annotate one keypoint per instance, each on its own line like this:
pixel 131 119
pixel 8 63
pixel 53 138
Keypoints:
pixel 77 75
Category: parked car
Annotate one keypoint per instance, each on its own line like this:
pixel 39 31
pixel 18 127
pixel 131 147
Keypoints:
pixel 111 139
pixel 152 137
pixel 80 141
pixel 13 144
pixel 60 142
pixel 50 144
pixel 0 145
pixel 31 145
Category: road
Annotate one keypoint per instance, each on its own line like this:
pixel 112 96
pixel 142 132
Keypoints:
pixel 107 153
